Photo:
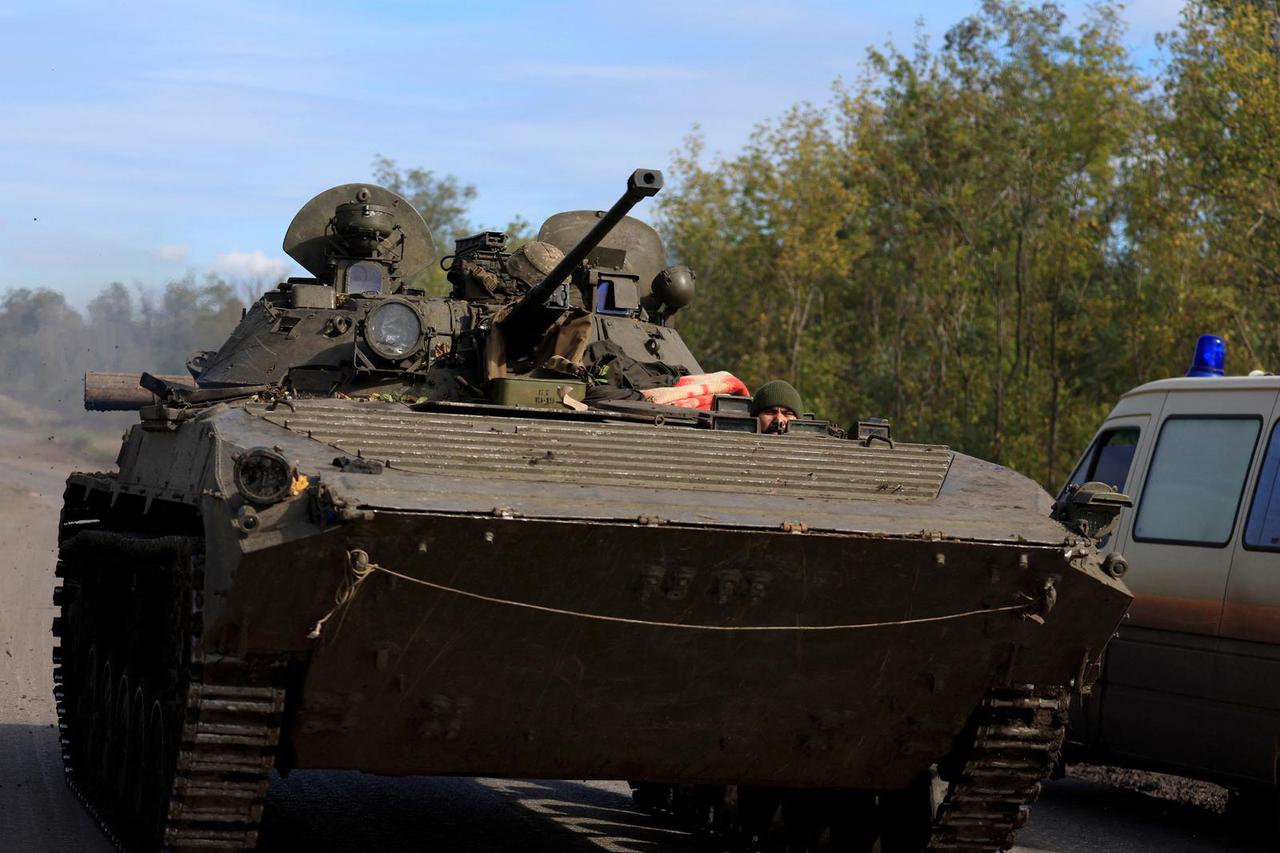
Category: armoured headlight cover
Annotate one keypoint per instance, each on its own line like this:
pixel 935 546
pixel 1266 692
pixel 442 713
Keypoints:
pixel 393 329
pixel 263 476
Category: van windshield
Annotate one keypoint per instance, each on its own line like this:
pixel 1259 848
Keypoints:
pixel 1109 459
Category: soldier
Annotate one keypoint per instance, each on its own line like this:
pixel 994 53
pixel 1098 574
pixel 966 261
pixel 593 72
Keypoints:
pixel 775 405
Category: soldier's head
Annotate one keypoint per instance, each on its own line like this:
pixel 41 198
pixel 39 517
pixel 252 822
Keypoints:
pixel 531 262
pixel 775 405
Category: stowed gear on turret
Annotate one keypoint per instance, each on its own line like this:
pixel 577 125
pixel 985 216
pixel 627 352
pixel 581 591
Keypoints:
pixel 532 262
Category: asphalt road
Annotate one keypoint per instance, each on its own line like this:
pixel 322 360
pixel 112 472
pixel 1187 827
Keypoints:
pixel 319 812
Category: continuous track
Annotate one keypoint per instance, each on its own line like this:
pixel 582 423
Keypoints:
pixel 1016 737
pixel 166 748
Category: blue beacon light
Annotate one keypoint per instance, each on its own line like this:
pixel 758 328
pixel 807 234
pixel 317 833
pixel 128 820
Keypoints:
pixel 1210 358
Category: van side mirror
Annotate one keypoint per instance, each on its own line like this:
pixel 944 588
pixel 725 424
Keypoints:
pixel 1091 508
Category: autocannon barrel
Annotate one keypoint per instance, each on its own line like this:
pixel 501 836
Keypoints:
pixel 121 392
pixel 642 184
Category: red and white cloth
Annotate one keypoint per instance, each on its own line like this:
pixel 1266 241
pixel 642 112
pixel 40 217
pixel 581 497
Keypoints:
pixel 696 391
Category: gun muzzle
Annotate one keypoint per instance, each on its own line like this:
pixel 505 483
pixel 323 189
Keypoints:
pixel 642 184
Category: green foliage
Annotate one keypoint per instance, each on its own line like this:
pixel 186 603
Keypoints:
pixel 1214 220
pixel 443 203
pixel 763 232
pixel 990 240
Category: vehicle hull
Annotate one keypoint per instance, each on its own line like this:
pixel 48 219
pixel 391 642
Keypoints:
pixel 467 593
pixel 587 650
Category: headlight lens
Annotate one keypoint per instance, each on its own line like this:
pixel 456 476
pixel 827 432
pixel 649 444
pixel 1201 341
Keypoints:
pixel 393 330
pixel 263 475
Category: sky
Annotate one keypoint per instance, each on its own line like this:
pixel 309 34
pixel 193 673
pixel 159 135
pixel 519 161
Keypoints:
pixel 141 142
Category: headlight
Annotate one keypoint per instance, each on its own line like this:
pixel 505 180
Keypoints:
pixel 393 330
pixel 263 475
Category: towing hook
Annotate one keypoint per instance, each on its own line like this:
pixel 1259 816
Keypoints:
pixel 1044 606
pixel 1115 565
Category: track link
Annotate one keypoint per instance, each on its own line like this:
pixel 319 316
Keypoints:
pixel 166 748
pixel 225 760
pixel 1016 737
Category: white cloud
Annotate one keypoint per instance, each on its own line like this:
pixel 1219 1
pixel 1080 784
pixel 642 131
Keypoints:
pixel 172 252
pixel 250 265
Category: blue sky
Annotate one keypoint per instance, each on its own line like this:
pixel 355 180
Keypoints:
pixel 142 141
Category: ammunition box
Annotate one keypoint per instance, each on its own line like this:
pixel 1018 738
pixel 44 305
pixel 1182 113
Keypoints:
pixel 536 393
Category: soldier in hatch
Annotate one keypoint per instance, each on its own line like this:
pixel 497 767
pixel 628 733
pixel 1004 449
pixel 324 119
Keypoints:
pixel 775 405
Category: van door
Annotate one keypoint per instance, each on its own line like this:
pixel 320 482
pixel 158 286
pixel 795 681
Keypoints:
pixel 1110 459
pixel 1161 670
pixel 1249 670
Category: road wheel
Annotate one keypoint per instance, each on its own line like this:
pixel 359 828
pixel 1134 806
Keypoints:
pixel 155 759
pixel 85 741
pixel 130 711
pixel 104 723
pixel 122 738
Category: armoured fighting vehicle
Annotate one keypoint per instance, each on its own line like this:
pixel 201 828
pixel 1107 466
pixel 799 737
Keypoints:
pixel 407 534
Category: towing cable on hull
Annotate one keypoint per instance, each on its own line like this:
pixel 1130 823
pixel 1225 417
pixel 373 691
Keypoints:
pixel 361 568
pixel 1010 745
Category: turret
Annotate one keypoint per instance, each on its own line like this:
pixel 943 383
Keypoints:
pixel 360 325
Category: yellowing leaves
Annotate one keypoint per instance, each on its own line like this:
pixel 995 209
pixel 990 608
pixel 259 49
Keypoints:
pixel 989 240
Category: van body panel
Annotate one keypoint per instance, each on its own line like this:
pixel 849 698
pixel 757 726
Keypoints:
pixel 1191 684
pixel 1251 609
pixel 1255 620
pixel 1181 586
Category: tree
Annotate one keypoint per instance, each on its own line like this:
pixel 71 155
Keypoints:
pixel 994 166
pixel 1217 144
pixel 51 345
pixel 936 244
pixel 762 230
pixel 43 347
pixel 443 203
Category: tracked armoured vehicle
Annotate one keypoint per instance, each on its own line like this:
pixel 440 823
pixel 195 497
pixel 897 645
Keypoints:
pixel 405 534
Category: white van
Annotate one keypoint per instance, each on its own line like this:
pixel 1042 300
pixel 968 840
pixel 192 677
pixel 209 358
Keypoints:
pixel 1191 683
